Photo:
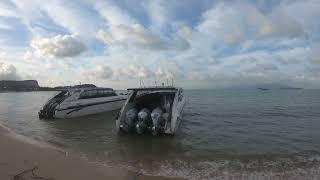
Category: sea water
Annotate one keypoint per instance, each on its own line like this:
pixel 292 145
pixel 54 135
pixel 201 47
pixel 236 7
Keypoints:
pixel 224 134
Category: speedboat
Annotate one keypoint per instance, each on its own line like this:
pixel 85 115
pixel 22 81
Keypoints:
pixel 155 110
pixel 75 102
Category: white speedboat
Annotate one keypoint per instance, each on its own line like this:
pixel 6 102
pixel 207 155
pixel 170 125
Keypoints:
pixel 155 110
pixel 76 102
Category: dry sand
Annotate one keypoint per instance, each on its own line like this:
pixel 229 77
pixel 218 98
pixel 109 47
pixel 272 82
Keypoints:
pixel 19 154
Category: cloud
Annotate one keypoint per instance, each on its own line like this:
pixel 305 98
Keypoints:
pixel 128 72
pixel 219 43
pixel 213 61
pixel 5 26
pixel 59 46
pixel 101 72
pixel 136 36
pixel 8 72
pixel 198 75
pixel 233 23
pixel 112 13
pixel 170 71
pixel 307 14
pixel 158 12
pixel 133 72
pixel 6 10
pixel 28 56
pixel 56 16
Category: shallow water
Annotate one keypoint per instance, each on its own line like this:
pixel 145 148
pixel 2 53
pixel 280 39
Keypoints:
pixel 224 134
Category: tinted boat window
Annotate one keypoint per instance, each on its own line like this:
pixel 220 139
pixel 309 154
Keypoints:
pixel 87 94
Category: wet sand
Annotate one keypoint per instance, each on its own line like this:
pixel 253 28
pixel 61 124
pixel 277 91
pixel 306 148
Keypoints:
pixel 24 158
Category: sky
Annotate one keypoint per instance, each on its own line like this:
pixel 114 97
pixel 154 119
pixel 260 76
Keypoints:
pixel 197 44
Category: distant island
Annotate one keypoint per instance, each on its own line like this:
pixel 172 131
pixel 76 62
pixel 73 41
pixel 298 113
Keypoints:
pixel 289 88
pixel 32 85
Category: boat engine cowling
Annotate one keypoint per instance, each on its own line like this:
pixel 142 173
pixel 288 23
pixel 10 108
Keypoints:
pixel 131 118
pixel 143 118
pixel 156 117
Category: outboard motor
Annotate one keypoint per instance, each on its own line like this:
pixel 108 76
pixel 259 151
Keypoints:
pixel 48 110
pixel 131 118
pixel 143 118
pixel 156 117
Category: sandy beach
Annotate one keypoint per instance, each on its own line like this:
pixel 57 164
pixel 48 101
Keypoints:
pixel 24 158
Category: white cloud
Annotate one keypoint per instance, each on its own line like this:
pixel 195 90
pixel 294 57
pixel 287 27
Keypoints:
pixel 133 72
pixel 72 16
pixel 136 36
pixel 225 43
pixel 47 17
pixel 8 72
pixel 234 23
pixel 307 14
pixel 169 71
pixel 213 61
pixel 5 25
pixel 164 73
pixel 112 13
pixel 28 56
pixel 6 11
pixel 158 12
pixel 198 75
pixel 101 72
pixel 59 46
pixel 130 71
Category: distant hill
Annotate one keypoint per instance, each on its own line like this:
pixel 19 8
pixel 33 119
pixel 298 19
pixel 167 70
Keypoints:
pixel 32 85
pixel 76 86
pixel 26 85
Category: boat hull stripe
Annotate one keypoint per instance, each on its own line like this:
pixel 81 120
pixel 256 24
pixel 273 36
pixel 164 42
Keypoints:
pixel 92 104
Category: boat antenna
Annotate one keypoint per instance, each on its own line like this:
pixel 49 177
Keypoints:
pixel 172 82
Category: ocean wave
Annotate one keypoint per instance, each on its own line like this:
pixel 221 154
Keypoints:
pixel 298 166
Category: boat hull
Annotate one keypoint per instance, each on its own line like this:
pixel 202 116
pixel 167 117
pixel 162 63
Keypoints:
pixel 170 100
pixel 88 108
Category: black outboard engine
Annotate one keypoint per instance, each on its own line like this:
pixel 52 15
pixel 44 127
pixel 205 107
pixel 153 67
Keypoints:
pixel 48 110
pixel 156 117
pixel 130 119
pixel 143 120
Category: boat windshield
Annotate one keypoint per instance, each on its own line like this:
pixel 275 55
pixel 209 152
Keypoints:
pixel 96 93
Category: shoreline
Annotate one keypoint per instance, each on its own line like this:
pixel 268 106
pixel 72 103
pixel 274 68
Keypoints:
pixel 23 157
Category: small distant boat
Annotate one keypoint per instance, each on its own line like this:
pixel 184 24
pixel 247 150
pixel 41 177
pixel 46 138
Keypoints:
pixel 155 110
pixel 76 102
pixel 263 89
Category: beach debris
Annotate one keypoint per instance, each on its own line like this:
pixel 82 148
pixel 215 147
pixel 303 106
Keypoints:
pixel 29 173
pixel 137 175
